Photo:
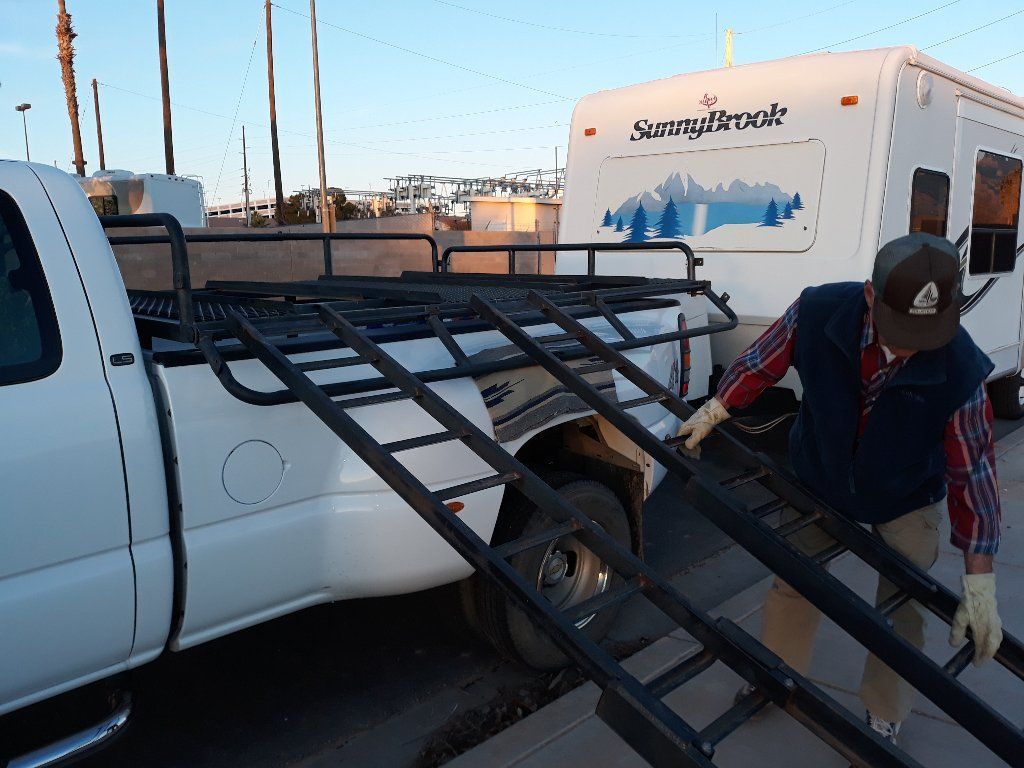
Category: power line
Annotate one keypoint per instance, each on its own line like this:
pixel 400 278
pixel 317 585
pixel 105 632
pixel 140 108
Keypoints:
pixel 426 56
pixel 996 61
pixel 466 135
pixel 446 117
pixel 883 29
pixel 972 31
pixel 789 21
pixel 336 141
pixel 550 28
pixel 238 104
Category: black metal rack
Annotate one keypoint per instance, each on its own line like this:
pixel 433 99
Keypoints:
pixel 357 316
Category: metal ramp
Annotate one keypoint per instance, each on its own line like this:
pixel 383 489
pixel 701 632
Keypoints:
pixel 747 525
pixel 634 710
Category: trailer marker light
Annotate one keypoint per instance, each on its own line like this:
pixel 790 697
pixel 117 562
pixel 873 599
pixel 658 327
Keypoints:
pixel 848 101
pixel 589 131
pixel 455 506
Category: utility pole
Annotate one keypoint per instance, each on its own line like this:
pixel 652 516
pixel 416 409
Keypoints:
pixel 23 108
pixel 99 124
pixel 66 56
pixel 245 177
pixel 728 47
pixel 325 217
pixel 278 190
pixel 165 88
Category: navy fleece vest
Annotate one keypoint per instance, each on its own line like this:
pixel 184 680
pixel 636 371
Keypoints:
pixel 898 464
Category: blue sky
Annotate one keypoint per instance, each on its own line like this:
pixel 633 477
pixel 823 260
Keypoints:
pixel 453 87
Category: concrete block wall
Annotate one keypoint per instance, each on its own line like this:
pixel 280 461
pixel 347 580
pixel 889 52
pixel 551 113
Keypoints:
pixel 148 266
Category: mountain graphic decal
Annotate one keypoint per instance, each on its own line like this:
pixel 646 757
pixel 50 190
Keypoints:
pixel 681 207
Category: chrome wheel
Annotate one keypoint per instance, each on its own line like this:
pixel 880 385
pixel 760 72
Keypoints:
pixel 570 573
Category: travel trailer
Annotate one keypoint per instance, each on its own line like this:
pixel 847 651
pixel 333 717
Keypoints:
pixel 792 173
pixel 113 192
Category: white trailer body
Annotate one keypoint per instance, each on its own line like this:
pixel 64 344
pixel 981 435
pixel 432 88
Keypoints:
pixel 121 192
pixel 792 173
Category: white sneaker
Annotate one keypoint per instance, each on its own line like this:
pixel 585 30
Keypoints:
pixel 883 728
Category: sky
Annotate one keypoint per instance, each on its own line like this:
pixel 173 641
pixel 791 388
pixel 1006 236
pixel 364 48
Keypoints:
pixel 443 87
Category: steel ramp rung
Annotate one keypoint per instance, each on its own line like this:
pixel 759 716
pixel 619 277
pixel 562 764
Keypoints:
pixel 738 714
pixel 894 603
pixel 434 438
pixel 585 370
pixel 682 673
pixel 829 554
pixel 332 362
pixel 794 526
pixel 464 489
pixel 639 401
pixel 363 401
pixel 603 600
pixel 525 543
pixel 960 659
pixel 745 478
pixel 768 508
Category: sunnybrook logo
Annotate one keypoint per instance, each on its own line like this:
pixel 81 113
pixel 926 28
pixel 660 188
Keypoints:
pixel 716 120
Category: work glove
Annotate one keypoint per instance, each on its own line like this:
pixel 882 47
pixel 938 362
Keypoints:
pixel 977 610
pixel 702 422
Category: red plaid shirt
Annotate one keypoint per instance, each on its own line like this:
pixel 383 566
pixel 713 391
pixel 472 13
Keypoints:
pixel 972 491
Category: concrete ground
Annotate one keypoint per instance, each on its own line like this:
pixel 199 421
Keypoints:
pixel 568 732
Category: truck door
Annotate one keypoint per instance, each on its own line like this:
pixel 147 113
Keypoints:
pixel 67 592
pixel 985 224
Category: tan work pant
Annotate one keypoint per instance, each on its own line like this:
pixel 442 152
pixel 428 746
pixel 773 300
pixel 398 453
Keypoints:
pixel 790 621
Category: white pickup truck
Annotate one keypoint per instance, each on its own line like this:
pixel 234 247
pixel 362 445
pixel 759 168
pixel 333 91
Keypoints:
pixel 144 509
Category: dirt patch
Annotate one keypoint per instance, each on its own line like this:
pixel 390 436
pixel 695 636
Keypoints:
pixel 509 706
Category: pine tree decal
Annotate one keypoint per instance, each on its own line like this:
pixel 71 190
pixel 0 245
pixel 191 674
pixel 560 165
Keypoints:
pixel 607 220
pixel 618 225
pixel 798 204
pixel 668 224
pixel 787 212
pixel 771 215
pixel 638 226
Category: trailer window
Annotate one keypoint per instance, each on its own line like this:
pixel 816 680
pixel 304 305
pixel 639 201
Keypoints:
pixel 997 181
pixel 104 205
pixel 29 341
pixel 929 202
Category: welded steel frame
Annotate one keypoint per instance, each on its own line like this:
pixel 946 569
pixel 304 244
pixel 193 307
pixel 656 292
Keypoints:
pixel 732 516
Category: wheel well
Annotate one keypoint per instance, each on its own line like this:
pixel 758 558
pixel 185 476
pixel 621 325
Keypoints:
pixel 577 446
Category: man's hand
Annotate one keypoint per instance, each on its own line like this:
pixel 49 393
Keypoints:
pixel 978 611
pixel 702 422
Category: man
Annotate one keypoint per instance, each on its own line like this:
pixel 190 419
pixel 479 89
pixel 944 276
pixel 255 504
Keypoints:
pixel 894 417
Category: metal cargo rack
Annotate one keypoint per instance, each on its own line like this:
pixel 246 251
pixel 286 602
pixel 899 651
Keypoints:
pixel 360 314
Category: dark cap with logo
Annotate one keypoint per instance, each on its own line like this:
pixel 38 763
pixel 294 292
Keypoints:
pixel 917 292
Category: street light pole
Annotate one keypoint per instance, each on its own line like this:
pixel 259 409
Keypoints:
pixel 325 219
pixel 99 124
pixel 23 108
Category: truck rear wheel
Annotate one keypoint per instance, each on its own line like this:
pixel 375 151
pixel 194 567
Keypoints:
pixel 1007 395
pixel 565 572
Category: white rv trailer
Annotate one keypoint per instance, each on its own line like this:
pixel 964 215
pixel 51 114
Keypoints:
pixel 120 192
pixel 793 172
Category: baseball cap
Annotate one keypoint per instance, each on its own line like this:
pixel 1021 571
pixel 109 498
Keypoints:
pixel 917 291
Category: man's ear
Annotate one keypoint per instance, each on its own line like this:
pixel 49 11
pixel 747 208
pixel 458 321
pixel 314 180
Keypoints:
pixel 869 293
